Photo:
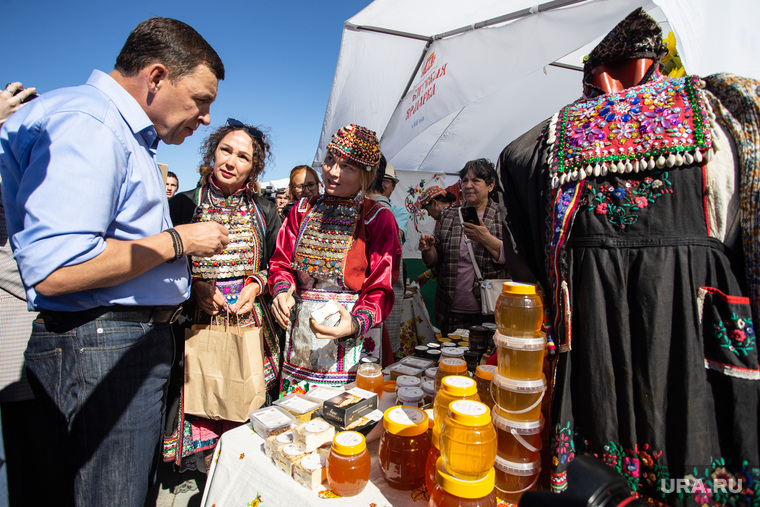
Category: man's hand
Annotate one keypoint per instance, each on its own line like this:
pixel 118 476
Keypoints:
pixel 344 328
pixel 203 239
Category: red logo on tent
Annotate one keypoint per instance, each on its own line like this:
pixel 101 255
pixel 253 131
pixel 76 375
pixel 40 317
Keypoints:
pixel 429 63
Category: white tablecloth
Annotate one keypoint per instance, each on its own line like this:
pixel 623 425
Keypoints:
pixel 241 474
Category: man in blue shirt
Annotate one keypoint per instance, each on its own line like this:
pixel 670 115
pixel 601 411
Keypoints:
pixel 89 225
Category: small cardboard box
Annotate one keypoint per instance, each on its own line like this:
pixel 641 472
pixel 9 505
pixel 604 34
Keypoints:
pixel 349 406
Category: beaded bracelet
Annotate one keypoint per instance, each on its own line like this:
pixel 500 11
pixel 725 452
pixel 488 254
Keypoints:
pixel 179 249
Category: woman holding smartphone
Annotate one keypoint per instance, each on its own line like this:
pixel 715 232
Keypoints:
pixel 339 252
pixel 447 254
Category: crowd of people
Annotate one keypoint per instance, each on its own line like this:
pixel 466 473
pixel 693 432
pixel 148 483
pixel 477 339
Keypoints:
pixel 633 209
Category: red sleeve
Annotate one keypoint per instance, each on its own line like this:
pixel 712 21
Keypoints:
pixel 383 253
pixel 281 275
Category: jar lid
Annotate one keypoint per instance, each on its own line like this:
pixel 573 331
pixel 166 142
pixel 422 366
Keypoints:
pixel 421 348
pixel 349 443
pixel 433 354
pixel 521 469
pixel 429 387
pixel 405 421
pixel 520 386
pixel 491 326
pixel 521 427
pixel 452 352
pixel 457 385
pixel 389 386
pixel 407 381
pixel 450 343
pixel 485 371
pixel 519 288
pixel 461 488
pixel 293 450
pixel 314 461
pixel 452 365
pixel 479 332
pixel 409 394
pixel 537 342
pixel 469 413
pixel 464 343
pixel 433 345
pixel 430 372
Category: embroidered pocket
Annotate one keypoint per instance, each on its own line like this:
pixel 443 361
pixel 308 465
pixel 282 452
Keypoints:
pixel 730 344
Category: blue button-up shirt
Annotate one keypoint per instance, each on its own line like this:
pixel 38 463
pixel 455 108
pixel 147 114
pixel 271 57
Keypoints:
pixel 78 166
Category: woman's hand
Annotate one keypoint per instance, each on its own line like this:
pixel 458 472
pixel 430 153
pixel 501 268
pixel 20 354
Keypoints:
pixel 208 297
pixel 244 303
pixel 281 306
pixel 427 242
pixel 344 328
pixel 477 233
pixel 421 280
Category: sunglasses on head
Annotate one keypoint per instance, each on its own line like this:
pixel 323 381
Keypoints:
pixel 232 122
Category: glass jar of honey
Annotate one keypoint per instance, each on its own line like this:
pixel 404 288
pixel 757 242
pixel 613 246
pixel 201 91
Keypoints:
pixel 348 464
pixel 404 447
pixel 468 440
pixel 518 400
pixel 519 309
pixel 514 479
pixel 449 366
pixel 452 388
pixel 451 491
pixel 483 375
pixel 520 358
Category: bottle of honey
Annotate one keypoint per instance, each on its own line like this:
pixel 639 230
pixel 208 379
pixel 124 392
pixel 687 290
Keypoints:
pixel 348 465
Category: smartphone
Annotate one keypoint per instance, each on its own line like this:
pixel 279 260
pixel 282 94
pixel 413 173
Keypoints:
pixel 28 98
pixel 469 215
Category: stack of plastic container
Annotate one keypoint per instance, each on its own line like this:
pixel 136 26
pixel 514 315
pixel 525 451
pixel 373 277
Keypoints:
pixel 518 387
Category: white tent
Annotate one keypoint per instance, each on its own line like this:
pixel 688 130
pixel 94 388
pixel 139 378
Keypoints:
pixel 446 81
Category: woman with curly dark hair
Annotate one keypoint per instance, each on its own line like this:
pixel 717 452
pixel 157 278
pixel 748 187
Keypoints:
pixel 227 288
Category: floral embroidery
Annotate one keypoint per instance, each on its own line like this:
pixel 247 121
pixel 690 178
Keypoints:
pixel 257 501
pixel 368 346
pixel 663 123
pixel 621 204
pixel 739 339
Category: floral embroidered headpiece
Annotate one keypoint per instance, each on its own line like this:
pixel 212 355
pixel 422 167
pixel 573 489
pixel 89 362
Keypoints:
pixel 357 144
pixel 428 195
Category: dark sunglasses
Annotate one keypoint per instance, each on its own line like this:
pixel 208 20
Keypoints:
pixel 232 122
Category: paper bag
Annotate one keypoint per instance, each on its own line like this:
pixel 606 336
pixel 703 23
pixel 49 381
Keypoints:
pixel 224 372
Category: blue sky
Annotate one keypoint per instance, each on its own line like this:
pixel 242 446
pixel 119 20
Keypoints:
pixel 279 58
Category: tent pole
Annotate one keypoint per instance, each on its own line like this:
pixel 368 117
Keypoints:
pixel 387 31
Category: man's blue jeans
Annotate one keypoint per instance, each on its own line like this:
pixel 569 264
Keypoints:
pixel 103 390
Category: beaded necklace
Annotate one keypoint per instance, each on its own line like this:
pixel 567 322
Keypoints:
pixel 325 237
pixel 243 253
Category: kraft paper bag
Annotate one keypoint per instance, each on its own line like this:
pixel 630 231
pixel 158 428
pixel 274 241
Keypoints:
pixel 224 372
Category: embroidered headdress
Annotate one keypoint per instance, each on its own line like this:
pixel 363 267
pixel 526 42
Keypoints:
pixel 357 144
pixel 428 195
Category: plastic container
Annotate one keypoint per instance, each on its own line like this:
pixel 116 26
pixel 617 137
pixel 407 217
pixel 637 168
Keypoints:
pixel 298 405
pixel 518 441
pixel 432 458
pixel 348 464
pixel 518 400
pixel 420 363
pixel 483 376
pixel 420 351
pixel 520 358
pixel 468 440
pixel 452 352
pixel 452 388
pixel 410 397
pixel 430 373
pixel 514 479
pixel 407 381
pixel 454 492
pixel 449 366
pixel 428 387
pixel 434 354
pixel 519 309
pixel 404 447
pixel 269 421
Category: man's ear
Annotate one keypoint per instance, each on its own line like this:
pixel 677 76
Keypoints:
pixel 157 75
